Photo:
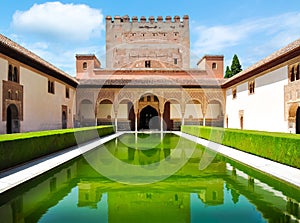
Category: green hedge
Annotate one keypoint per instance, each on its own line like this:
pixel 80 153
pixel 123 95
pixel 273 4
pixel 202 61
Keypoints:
pixel 279 147
pixel 23 147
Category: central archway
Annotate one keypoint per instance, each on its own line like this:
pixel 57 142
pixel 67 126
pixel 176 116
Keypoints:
pixel 13 122
pixel 149 118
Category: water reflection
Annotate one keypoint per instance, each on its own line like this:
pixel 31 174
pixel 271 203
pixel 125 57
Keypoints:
pixel 75 192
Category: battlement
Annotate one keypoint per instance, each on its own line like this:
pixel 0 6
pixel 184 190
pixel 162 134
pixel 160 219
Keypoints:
pixel 143 19
pixel 147 42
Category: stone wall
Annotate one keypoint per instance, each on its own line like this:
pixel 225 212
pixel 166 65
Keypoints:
pixel 133 43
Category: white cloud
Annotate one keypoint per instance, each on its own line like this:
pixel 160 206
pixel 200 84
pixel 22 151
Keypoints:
pixel 60 21
pixel 263 34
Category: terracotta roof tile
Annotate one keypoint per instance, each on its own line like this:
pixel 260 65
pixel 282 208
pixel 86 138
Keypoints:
pixel 25 52
pixel 151 80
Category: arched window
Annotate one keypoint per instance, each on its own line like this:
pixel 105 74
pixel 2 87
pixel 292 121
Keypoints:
pixel 10 73
pixel 15 75
pixel 297 72
pixel 292 74
pixel 9 95
pixel 84 66
pixel 214 66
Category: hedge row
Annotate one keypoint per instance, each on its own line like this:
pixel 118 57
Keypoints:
pixel 23 147
pixel 279 147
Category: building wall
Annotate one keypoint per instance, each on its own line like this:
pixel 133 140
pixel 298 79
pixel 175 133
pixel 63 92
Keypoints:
pixel 41 110
pixel 262 110
pixel 3 76
pixel 133 42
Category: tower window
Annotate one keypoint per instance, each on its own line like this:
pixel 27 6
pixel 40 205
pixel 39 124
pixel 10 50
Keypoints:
pixel 148 63
pixel 84 66
pixel 175 61
pixel 214 66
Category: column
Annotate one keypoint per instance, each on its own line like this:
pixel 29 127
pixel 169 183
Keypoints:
pixel 116 121
pixel 135 122
pixel 161 121
pixel 182 121
pixel 204 121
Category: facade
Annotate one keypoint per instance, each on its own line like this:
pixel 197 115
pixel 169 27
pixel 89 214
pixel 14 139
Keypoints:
pixel 148 82
pixel 34 94
pixel 266 96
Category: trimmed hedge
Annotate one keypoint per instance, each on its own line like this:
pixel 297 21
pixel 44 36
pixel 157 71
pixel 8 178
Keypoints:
pixel 279 147
pixel 23 147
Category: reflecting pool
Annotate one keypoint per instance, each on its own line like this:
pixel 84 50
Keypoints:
pixel 188 183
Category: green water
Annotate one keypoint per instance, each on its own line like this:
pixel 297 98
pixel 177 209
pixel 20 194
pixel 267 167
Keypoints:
pixel 151 178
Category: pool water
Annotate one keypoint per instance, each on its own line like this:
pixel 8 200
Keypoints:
pixel 151 178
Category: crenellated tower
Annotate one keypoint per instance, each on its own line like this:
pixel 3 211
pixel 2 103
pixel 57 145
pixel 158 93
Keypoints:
pixel 147 43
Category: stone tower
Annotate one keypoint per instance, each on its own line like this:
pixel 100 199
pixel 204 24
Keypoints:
pixel 153 43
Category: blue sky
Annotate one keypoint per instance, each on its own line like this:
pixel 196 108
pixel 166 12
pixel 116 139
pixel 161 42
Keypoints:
pixel 56 31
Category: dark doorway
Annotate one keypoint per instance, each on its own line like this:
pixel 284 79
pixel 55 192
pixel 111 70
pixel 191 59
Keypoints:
pixel 13 123
pixel 64 120
pixel 149 118
pixel 298 121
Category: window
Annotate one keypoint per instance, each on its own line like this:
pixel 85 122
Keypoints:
pixel 84 65
pixel 148 63
pixel 67 92
pixel 15 75
pixel 148 98
pixel 51 87
pixel 234 93
pixel 9 94
pixel 294 72
pixel 251 87
pixel 10 73
pixel 17 95
pixel 175 60
pixel 214 66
